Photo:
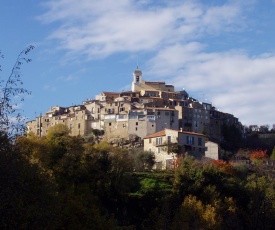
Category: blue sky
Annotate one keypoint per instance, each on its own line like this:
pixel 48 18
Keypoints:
pixel 221 52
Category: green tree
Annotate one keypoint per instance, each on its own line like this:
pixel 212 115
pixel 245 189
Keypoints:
pixel 58 134
pixel 232 136
pixel 32 147
pixel 261 207
pixel 143 160
pixel 272 156
pixel 28 198
pixel 171 148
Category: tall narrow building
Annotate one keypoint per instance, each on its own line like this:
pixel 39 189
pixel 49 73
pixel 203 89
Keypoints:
pixel 137 80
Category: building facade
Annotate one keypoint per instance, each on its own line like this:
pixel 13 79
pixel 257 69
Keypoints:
pixel 168 144
pixel 148 108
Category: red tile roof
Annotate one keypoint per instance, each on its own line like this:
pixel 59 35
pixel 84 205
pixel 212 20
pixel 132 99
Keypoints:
pixel 158 134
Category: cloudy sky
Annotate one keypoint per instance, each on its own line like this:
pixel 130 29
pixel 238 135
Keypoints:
pixel 221 52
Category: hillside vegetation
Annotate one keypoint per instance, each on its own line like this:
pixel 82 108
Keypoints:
pixel 62 182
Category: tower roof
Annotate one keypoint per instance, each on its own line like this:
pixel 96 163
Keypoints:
pixel 137 72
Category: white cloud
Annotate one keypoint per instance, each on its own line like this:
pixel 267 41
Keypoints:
pixel 101 28
pixel 49 87
pixel 235 82
pixel 175 34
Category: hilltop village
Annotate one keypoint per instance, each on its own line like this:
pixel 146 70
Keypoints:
pixel 151 111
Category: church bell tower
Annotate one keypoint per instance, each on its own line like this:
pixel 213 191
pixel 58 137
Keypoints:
pixel 136 79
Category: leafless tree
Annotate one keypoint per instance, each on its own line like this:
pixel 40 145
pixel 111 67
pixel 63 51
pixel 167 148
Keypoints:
pixel 12 91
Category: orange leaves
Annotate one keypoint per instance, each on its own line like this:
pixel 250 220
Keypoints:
pixel 223 166
pixel 258 155
pixel 176 162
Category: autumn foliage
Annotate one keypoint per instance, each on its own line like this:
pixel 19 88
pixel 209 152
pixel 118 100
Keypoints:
pixel 176 162
pixel 258 155
pixel 223 166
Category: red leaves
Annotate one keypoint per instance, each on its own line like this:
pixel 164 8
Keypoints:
pixel 223 166
pixel 258 155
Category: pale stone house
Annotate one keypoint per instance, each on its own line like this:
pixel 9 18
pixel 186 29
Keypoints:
pixel 212 150
pixel 160 143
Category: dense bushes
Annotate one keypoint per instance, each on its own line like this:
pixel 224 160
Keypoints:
pixel 60 182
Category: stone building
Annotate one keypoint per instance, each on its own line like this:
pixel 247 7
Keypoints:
pixel 188 143
pixel 148 108
pixel 76 118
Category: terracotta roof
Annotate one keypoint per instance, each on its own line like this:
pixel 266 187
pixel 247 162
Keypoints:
pixel 158 134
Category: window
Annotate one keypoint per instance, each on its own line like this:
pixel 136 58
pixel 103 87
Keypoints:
pixel 169 139
pixel 200 141
pixel 110 124
pixel 158 150
pixel 159 140
pixel 150 140
pixel 136 128
pixel 121 117
pixel 124 126
pixel 78 125
pixel 190 140
pixel 136 123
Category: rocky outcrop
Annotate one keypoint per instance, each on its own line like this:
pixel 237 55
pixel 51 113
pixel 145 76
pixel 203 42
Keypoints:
pixel 132 142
